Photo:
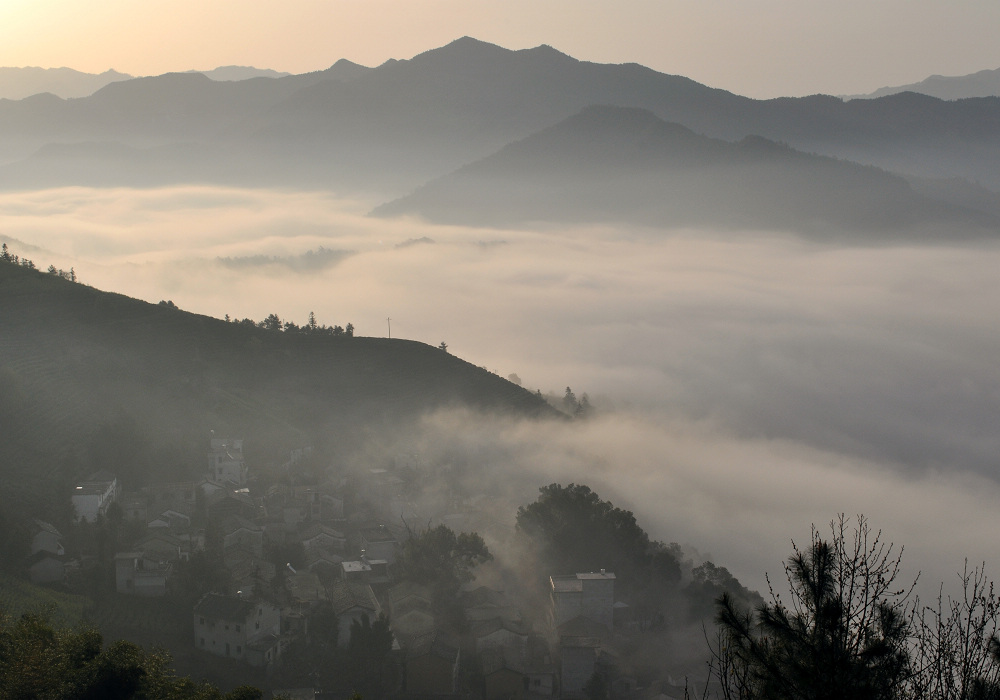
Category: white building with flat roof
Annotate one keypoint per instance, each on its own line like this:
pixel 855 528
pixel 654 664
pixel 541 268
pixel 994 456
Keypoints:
pixel 590 595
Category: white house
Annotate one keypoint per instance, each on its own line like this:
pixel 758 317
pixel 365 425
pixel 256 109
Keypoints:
pixel 589 595
pixel 94 495
pixel 238 629
pixel 225 462
pixel 352 601
pixel 142 575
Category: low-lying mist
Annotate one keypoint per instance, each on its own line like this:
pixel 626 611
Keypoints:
pixel 748 384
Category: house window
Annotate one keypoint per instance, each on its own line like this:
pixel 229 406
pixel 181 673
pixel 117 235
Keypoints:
pixel 236 627
pixel 239 650
pixel 203 641
pixel 201 621
pixel 258 626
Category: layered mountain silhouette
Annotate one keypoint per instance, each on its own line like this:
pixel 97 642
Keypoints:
pixel 389 129
pixel 18 83
pixel 984 83
pixel 615 164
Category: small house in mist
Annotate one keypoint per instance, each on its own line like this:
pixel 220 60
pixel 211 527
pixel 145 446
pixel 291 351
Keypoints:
pixel 589 595
pixel 140 574
pixel 431 664
pixel 240 629
pixel 46 563
pixel 225 462
pixel 379 543
pixel 94 495
pixel 352 601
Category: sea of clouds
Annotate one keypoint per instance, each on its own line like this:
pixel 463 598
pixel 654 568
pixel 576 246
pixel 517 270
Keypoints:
pixel 749 384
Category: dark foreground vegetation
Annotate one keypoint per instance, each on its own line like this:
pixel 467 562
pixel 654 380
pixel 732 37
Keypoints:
pixel 849 628
pixel 39 662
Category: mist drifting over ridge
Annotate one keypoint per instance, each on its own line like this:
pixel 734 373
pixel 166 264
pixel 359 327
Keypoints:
pixel 751 383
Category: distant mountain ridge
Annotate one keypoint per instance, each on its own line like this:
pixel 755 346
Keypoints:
pixel 391 128
pixel 18 83
pixel 66 83
pixel 625 165
pixel 984 83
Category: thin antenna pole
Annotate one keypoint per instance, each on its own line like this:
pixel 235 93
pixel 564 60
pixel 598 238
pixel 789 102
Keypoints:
pixel 388 322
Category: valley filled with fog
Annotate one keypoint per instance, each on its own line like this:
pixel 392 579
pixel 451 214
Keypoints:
pixel 747 383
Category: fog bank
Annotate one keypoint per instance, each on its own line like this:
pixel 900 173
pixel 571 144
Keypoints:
pixel 751 383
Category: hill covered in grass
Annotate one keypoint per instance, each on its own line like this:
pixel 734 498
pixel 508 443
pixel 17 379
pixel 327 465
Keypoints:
pixel 91 379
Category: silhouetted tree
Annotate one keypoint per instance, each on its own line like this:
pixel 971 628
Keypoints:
pixel 569 402
pixel 842 636
pixel 349 330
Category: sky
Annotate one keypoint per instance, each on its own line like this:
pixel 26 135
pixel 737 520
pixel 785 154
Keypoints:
pixel 763 48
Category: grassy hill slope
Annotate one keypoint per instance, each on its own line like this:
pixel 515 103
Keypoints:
pixel 91 379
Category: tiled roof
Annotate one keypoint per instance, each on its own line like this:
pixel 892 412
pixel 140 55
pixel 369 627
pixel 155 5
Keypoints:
pixel 345 595
pixel 47 527
pixel 223 607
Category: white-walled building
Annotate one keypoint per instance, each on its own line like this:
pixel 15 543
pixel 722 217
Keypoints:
pixel 590 595
pixel 238 629
pixel 225 462
pixel 94 495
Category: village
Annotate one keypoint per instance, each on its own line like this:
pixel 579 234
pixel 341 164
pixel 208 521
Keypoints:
pixel 344 592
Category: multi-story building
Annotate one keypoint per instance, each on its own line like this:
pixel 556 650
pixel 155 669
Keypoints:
pixel 590 595
pixel 94 495
pixel 238 629
pixel 225 462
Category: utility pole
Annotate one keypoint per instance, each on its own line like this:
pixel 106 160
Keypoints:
pixel 388 322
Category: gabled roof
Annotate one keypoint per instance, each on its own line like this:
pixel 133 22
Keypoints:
pixel 232 523
pixel 482 596
pixel 409 590
pixel 345 595
pixel 433 644
pixel 498 659
pixel 47 527
pixel 378 534
pixel 221 607
pixel 41 555
pixel 314 529
pixel 485 628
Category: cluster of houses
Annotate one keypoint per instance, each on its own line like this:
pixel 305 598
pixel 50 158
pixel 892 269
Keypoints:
pixel 346 567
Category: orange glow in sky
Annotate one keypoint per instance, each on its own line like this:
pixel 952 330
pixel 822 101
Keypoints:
pixel 762 48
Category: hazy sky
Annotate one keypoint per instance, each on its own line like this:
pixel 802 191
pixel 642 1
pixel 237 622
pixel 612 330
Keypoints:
pixel 763 48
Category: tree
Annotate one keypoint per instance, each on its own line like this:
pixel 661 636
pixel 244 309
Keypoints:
pixel 842 636
pixel 956 650
pixel 577 531
pixel 312 321
pixel 443 560
pixel 370 644
pixel 38 661
pixel 443 346
pixel 271 323
pixel 349 330
pixel 569 402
